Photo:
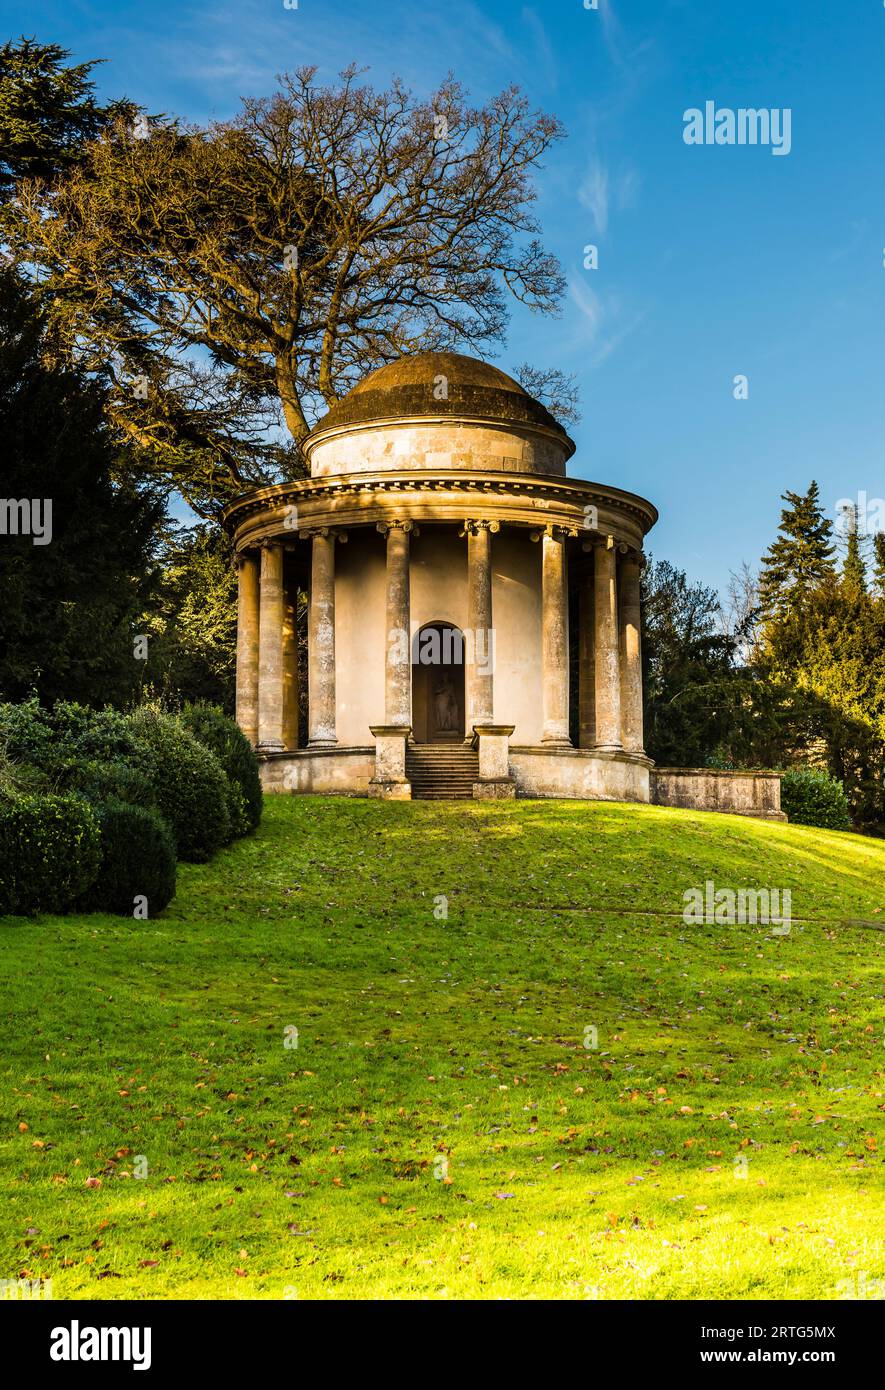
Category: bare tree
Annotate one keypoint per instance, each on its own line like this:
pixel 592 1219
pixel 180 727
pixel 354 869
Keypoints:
pixel 740 612
pixel 555 389
pixel 232 282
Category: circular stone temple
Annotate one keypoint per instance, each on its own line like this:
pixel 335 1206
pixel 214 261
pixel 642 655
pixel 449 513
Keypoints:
pixel 472 622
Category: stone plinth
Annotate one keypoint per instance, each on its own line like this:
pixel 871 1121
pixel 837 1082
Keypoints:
pixel 495 781
pixel 390 782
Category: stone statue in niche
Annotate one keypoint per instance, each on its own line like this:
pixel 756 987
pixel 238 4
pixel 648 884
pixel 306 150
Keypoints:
pixel 445 707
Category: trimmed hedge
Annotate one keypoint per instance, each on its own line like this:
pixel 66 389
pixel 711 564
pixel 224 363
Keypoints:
pixel 224 737
pixel 189 784
pixel 112 781
pixel 50 852
pixel 59 740
pixel 137 860
pixel 810 796
pixel 95 805
pixel 28 736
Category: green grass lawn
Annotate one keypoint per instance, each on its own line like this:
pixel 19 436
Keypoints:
pixel 441 1128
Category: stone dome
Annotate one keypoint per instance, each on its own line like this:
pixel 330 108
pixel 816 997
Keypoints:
pixel 438 410
pixel 439 383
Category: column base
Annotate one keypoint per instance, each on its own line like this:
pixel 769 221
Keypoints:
pixel 556 741
pixel 608 748
pixel 495 789
pixel 271 745
pixel 322 742
pixel 390 791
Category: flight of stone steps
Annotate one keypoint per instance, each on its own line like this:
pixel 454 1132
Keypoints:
pixel 441 771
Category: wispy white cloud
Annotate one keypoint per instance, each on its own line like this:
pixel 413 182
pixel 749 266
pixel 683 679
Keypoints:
pixel 593 194
pixel 589 305
pixel 600 191
pixel 601 323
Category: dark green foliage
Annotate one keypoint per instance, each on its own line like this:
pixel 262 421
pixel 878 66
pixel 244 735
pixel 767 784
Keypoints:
pixel 49 853
pixel 69 606
pixel 95 733
pixel 810 796
pixel 28 735
pixel 47 112
pixel 112 781
pixel 218 732
pixel 688 668
pixel 137 860
pixel 190 785
pixel 192 619
pixel 69 738
pixel 17 778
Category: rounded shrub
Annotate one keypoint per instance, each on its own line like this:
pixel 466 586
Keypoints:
pixel 49 852
pixel 190 787
pixel 19 779
pixel 27 735
pixel 137 861
pixel 224 737
pixel 111 781
pixel 810 796
pixel 97 735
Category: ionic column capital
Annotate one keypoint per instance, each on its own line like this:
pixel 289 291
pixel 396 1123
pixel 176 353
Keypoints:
pixel 330 533
pixel 397 524
pixel 472 526
pixel 608 543
pixel 556 531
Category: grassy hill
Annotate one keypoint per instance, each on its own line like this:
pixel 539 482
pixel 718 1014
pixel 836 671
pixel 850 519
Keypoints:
pixel 442 1127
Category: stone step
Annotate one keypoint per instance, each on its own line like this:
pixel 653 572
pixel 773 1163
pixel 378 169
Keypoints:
pixel 442 772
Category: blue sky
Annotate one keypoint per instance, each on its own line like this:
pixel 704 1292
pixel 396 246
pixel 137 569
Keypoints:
pixel 713 260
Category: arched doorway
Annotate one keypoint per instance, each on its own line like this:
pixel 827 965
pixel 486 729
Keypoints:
pixel 438 684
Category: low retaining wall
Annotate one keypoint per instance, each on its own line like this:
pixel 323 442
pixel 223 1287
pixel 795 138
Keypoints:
pixel 326 771
pixel 705 789
pixel 570 773
pixel 579 773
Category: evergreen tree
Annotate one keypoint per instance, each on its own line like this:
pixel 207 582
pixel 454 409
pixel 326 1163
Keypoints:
pixel 879 563
pixel 854 570
pixel 192 619
pixel 687 660
pixel 47 111
pixel 854 574
pixel 76 549
pixel 801 558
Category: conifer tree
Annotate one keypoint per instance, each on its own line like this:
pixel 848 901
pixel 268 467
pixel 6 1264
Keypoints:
pixel 801 558
pixel 879 563
pixel 854 573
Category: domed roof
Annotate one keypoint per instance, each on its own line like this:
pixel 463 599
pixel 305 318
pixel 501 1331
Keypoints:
pixel 439 383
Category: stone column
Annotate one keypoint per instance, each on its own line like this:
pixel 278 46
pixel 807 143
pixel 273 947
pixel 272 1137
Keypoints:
pixel 390 781
pixel 321 642
pixel 398 658
pixel 247 644
pixel 631 652
pixel 270 651
pixel 479 679
pixel 586 672
pixel 607 663
pixel 291 690
pixel 554 638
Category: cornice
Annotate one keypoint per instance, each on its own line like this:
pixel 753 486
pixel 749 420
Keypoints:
pixel 465 487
